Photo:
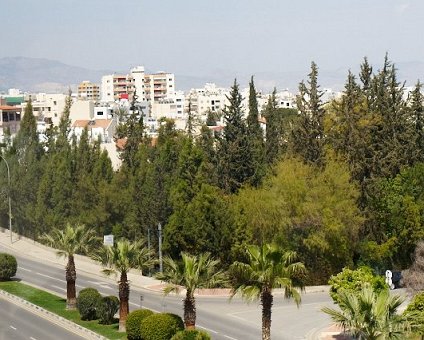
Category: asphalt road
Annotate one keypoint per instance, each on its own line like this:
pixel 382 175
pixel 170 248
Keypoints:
pixel 18 323
pixel 223 319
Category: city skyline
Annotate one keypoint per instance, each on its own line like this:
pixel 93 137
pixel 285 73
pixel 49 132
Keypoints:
pixel 219 39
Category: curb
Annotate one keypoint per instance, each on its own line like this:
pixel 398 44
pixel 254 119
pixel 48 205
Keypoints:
pixel 64 323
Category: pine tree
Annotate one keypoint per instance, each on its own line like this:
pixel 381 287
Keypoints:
pixel 309 136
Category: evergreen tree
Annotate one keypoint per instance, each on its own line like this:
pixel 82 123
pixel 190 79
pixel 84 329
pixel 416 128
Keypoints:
pixel 190 119
pixel 417 110
pixel 309 136
pixel 273 124
pixel 236 166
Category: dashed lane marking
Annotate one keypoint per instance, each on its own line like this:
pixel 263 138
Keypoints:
pixel 208 329
pixel 51 277
pixel 24 269
pixel 61 288
pixel 14 328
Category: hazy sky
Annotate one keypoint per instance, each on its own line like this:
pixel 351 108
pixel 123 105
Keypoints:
pixel 212 37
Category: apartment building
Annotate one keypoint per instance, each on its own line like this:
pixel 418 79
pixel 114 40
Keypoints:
pixel 117 87
pixel 47 107
pixel 149 87
pixel 10 118
pixel 88 91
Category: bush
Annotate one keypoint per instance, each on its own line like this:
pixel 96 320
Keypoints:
pixel 354 280
pixel 415 312
pixel 8 266
pixel 87 301
pixel 162 326
pixel 134 322
pixel 192 334
pixel 106 308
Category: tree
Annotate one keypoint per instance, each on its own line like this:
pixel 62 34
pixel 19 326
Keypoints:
pixel 417 107
pixel 119 259
pixel 192 272
pixel 268 267
pixel 308 138
pixel 413 277
pixel 70 241
pixel 236 166
pixel 370 315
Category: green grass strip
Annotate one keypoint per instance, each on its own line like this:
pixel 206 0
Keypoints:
pixel 57 305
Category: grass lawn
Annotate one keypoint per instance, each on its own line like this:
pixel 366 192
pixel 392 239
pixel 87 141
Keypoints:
pixel 57 305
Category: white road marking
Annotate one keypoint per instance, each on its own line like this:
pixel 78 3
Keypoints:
pixel 134 304
pixel 14 328
pixel 229 337
pixel 208 329
pixel 51 277
pixel 61 288
pixel 32 338
pixel 24 269
pixel 79 286
pixel 138 305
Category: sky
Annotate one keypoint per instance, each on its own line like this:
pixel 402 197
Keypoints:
pixel 227 38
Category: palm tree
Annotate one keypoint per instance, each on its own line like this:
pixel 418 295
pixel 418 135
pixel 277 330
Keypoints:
pixel 268 267
pixel 119 259
pixel 69 242
pixel 191 273
pixel 370 315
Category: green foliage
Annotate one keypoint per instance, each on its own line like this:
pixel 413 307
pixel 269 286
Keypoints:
pixel 307 209
pixel 107 306
pixel 161 326
pixel 134 321
pixel 415 312
pixel 368 314
pixel 87 302
pixel 354 281
pixel 8 266
pixel 191 334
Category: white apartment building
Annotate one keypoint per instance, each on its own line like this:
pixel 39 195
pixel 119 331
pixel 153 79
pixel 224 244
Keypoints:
pixel 47 107
pixel 149 87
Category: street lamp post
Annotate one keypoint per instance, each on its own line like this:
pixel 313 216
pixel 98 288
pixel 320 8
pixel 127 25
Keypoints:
pixel 10 202
pixel 160 248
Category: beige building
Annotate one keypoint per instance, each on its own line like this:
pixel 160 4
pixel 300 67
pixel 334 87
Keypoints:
pixel 88 91
pixel 10 118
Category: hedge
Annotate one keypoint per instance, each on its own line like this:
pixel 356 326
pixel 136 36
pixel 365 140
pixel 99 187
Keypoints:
pixel 87 301
pixel 162 326
pixel 133 323
pixel 8 266
pixel 107 307
pixel 192 334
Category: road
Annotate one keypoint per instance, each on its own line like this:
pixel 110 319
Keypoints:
pixel 18 323
pixel 224 320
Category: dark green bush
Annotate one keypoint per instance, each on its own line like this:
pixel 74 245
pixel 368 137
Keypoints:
pixel 354 280
pixel 192 334
pixel 134 322
pixel 8 266
pixel 87 301
pixel 107 307
pixel 162 326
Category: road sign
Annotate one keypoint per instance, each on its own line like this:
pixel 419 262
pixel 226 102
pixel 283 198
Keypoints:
pixel 108 240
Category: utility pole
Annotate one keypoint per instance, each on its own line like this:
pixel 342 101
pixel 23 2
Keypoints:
pixel 148 245
pixel 160 248
pixel 10 202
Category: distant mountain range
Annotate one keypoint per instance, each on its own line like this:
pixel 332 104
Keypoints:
pixel 43 75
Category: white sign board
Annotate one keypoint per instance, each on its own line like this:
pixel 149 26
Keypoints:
pixel 108 240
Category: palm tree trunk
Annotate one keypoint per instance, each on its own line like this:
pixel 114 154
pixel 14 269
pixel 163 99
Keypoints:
pixel 189 310
pixel 71 277
pixel 124 294
pixel 266 301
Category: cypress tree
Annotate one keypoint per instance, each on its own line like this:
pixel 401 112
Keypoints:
pixel 236 166
pixel 272 144
pixel 309 135
pixel 417 112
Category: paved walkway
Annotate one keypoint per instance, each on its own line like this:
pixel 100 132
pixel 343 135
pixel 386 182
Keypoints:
pixel 28 248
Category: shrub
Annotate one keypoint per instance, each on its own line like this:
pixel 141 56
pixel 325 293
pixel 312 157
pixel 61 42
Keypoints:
pixel 134 322
pixel 8 266
pixel 415 312
pixel 87 301
pixel 192 334
pixel 107 307
pixel 354 280
pixel 162 326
